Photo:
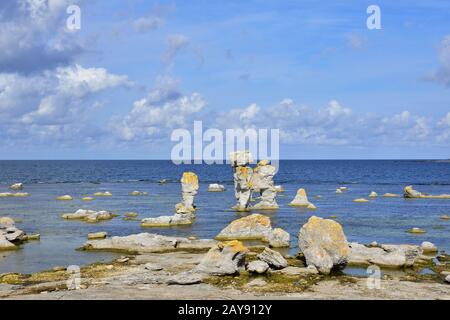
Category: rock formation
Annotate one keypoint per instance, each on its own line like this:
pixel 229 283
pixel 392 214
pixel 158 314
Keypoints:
pixel 214 187
pixel 10 235
pixel 255 227
pixel 89 215
pixel 323 244
pixel 273 258
pixel 242 175
pixel 409 192
pixel 225 258
pixel 262 182
pixel 301 200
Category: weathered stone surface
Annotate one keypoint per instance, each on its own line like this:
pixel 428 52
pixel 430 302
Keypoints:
pixel 447 279
pixel 6 245
pixel 391 195
pixel 262 182
pixel 152 267
pixel 255 227
pixel 394 256
pixel 297 271
pixel 324 244
pixel 428 247
pixel 148 242
pixel 103 194
pixel 409 192
pixel 416 231
pixel 89 215
pixel 214 187
pixel 169 221
pixel 257 266
pixel 225 258
pixel 87 199
pixel 9 234
pixel 243 176
pixel 273 258
pixel 186 278
pixel 257 283
pixel 279 189
pixel 240 158
pixel 301 199
pixel 360 200
pixel 338 191
pixel 16 186
pixel 65 198
pixel 9 194
pixel 189 187
pixel 373 194
pixel 6 222
pixel 97 235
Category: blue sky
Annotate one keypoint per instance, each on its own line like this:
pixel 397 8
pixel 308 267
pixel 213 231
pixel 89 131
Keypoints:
pixel 138 69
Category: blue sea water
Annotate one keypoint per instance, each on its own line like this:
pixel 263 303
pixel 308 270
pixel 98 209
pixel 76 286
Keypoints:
pixel 384 220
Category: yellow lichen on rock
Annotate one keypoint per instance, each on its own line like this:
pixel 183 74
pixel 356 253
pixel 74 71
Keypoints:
pixel 190 178
pixel 361 200
pixel 235 245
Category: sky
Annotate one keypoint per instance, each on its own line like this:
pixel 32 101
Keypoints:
pixel 135 71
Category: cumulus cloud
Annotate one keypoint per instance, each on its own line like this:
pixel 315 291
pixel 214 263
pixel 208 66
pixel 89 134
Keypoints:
pixel 34 35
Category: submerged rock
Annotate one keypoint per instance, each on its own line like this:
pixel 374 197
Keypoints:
pixel 301 199
pixel 214 187
pixel 17 194
pixel 394 256
pixel 409 192
pixel 16 186
pixel 273 258
pixel 138 193
pixel 87 199
pixel 255 227
pixel 257 266
pixel 225 258
pixel 89 215
pixel 338 191
pixel 323 244
pixel 148 242
pixel 65 198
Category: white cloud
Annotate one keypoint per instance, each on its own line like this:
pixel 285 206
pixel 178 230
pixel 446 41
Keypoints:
pixel 146 24
pixel 174 44
pixel 442 75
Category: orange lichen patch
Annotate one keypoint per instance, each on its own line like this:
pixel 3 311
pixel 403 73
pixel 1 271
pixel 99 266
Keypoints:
pixel 235 245
pixel 243 171
pixel 301 192
pixel 250 222
pixel 264 162
pixel 189 178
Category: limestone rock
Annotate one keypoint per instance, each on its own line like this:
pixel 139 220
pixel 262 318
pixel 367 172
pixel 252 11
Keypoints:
pixel 168 221
pixel 243 187
pixel 240 158
pixel 16 186
pixel 297 271
pixel 343 188
pixel 6 245
pixel 428 247
pixel 97 235
pixel 361 200
pixel 262 181
pixel 103 194
pixel 416 231
pixel 214 187
pixel 338 191
pixel 311 206
pixel 257 266
pixel 186 278
pixel 373 194
pixel 323 244
pixel 189 187
pixel 87 199
pixel 225 258
pixel 301 199
pixel 131 214
pixel 138 193
pixel 279 238
pixel 65 198
pixel 273 258
pixel 9 234
pixel 257 283
pixel 409 192
pixel 279 189
pixel 447 279
pixel 6 222
pixel 391 195
pixel 89 215
pixel 445 217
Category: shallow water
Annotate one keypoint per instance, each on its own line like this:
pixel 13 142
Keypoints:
pixel 384 220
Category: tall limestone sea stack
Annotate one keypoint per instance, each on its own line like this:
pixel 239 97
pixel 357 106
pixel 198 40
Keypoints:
pixel 263 182
pixel 243 175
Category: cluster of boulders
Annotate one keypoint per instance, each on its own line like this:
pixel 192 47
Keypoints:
pixel 11 236
pixel 409 192
pixel 91 216
pixel 255 227
pixel 185 210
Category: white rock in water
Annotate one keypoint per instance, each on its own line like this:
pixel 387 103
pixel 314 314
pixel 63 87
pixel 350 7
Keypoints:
pixel 89 215
pixel 103 194
pixel 65 198
pixel 373 194
pixel 323 244
pixel 279 189
pixel 257 266
pixel 6 245
pixel 168 221
pixel 301 199
pixel 97 235
pixel 428 247
pixel 189 187
pixel 16 186
pixel 338 191
pixel 214 187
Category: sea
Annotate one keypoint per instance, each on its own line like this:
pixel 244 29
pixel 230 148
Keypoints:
pixel 384 220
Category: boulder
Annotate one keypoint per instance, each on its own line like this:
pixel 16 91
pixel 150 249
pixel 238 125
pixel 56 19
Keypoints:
pixel 323 244
pixel 301 199
pixel 138 193
pixel 273 258
pixel 257 266
pixel 255 227
pixel 16 186
pixel 9 234
pixel 189 188
pixel 311 206
pixel 343 188
pixel 242 176
pixel 361 200
pixel 17 194
pixel 148 243
pixel 169 221
pixel 6 222
pixel 393 256
pixel 447 279
pixel 186 278
pixel 391 195
pixel 131 214
pixel 338 191
pixel 97 235
pixel 373 194
pixel 257 283
pixel 428 247
pixel 225 258
pixel 416 231
pixel 65 198
pixel 445 217
pixel 103 194
pixel 262 182
pixel 6 245
pixel 87 199
pixel 214 187
pixel 89 215
pixel 409 192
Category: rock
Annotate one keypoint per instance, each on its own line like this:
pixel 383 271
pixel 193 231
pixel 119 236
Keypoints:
pixel 373 194
pixel 103 194
pixel 6 245
pixel 87 199
pixel 318 196
pixel 168 221
pixel 445 217
pixel 297 271
pixel 273 258
pixel 189 187
pixel 255 227
pixel 138 193
pixel 16 186
pixel 391 195
pixel 323 244
pixel 162 181
pixel 360 200
pixel 65 198
pixel 301 199
pixel 6 222
pixel 148 243
pixel 311 207
pixel 257 266
pixel 447 279
pixel 409 192
pixel 279 189
pixel 428 247
pixel 225 258
pixel 416 231
pixel 262 181
pixel 97 235
pixel 257 283
pixel 332 217
pixel 131 214
pixel 186 278
pixel 216 188
pixel 152 267
pixel 240 158
pixel 123 260
pixel 343 188
pixel 338 191
pixel 393 256
pixel 445 273
pixel 374 244
pixel 59 269
pixel 33 237
pixel 89 215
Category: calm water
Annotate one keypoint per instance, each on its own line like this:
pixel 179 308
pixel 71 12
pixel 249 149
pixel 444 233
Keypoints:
pixel 384 220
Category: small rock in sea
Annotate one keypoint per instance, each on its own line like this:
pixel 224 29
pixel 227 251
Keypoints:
pixel 343 188
pixel 152 267
pixel 16 186
pixel 138 193
pixel 301 199
pixel 273 258
pixel 123 260
pixel 131 214
pixel 97 235
pixel 361 200
pixel 339 191
pixel 428 247
pixel 257 283
pixel 192 238
pixel 162 181
pixel 65 198
pixel 89 215
pixel 33 236
pixel 257 266
pixel 445 217
pixel 311 207
pixel 279 189
pixel 416 231
pixel 318 196
pixel 373 194
pixel 103 194
pixel 332 217
pixel 391 195
pixel 87 199
pixel 214 187
pixel 447 279
pixel 59 269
